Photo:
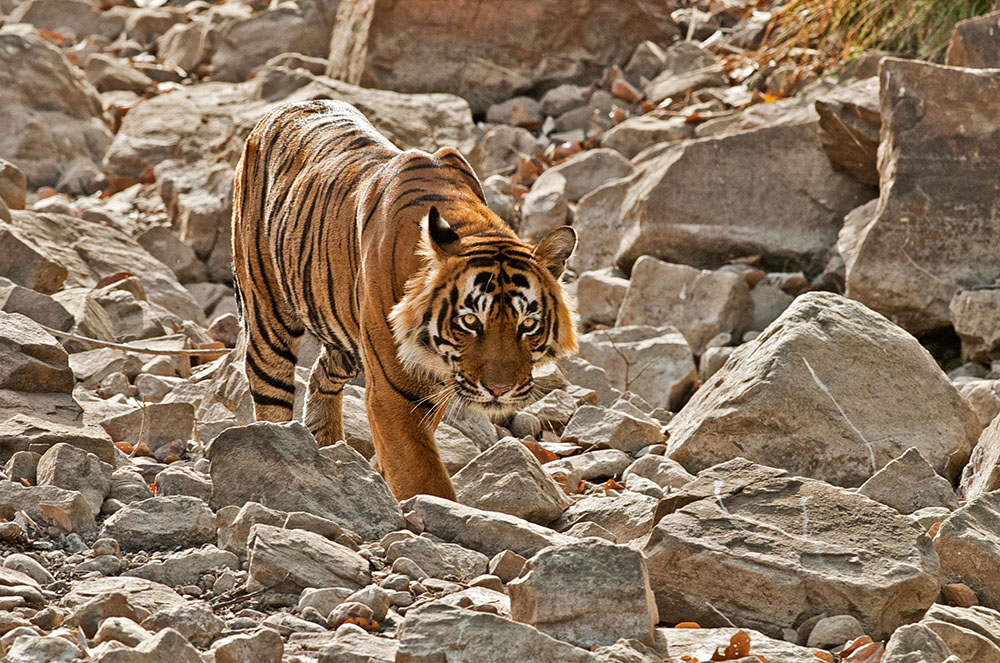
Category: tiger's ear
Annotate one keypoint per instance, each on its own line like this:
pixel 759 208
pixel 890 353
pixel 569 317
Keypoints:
pixel 555 249
pixel 443 239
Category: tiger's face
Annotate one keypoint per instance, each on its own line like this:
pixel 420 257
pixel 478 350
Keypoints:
pixel 484 312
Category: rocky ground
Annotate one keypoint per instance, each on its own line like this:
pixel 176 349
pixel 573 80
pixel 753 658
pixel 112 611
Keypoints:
pixel 780 440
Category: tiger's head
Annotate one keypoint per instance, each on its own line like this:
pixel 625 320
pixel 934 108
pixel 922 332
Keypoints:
pixel 483 312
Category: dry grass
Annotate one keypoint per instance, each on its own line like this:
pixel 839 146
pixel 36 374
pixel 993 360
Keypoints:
pixel 831 32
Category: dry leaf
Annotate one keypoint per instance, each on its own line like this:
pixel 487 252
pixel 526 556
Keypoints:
pixel 869 653
pixel 148 175
pixel 739 646
pixel 824 656
pixel 933 529
pixel 52 36
pixel 25 482
pixel 113 278
pixel 860 642
pixel 611 484
pixel 124 447
pixel 688 625
pixel 541 453
pixel 367 624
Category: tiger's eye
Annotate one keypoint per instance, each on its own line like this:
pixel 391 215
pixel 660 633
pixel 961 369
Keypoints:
pixel 470 320
pixel 529 326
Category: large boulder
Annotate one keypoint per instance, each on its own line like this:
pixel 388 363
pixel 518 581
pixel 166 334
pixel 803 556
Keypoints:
pixel 301 27
pixel 830 390
pixel 770 192
pixel 586 593
pixel 702 304
pixel 88 251
pixel 975 42
pixel 849 124
pixel 52 124
pixel 968 544
pixel 947 634
pixel 982 474
pixel 753 545
pixel 935 229
pixel 280 466
pixel 211 121
pixel 31 360
pixel 654 362
pixel 488 52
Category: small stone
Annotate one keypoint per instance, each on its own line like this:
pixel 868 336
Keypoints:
pixel 375 598
pixel 263 646
pixel 323 599
pixel 662 471
pixel 167 646
pixel 407 567
pixel 192 619
pixel 909 483
pixel 106 565
pixel 835 631
pixel 160 522
pixel 28 566
pixel 593 425
pixel 92 613
pixel 488 581
pixel 438 560
pixel 298 558
pixel 349 610
pixel 969 547
pixel 545 207
pixel 584 529
pixel 507 565
pixel 509 479
pixel 69 467
pixel 121 629
pixel 183 481
pixel 626 516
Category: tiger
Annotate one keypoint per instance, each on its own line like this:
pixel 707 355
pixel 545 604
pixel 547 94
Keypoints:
pixel 393 260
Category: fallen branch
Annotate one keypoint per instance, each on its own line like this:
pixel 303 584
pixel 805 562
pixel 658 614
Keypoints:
pixel 189 352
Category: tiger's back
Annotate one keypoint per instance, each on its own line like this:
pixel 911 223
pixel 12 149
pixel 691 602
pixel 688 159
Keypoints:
pixel 330 234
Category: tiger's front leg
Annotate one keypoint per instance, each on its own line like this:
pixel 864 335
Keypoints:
pixel 324 400
pixel 404 442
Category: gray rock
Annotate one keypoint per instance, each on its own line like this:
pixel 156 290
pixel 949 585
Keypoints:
pixel 455 449
pixel 42 649
pixel 604 463
pixel 909 483
pixel 974 315
pixel 739 219
pixel 597 219
pixel 554 409
pixel 662 471
pixel 627 516
pixel 933 232
pixel 13 185
pixel 439 560
pixel 30 303
pixel 654 362
pixel 145 596
pixel 969 547
pixel 183 481
pixel 849 123
pixel 581 372
pixel 164 245
pixel 354 645
pixel 637 133
pixel 23 465
pixel 297 558
pixel 193 619
pixel 121 629
pixel 490 57
pixel 973 43
pixel 835 631
pixel 982 474
pixel 837 366
pixel 31 360
pixel 167 646
pixel 72 468
pixel 946 635
pixel 28 566
pixel 509 479
pixel 545 207
pixel 498 150
pixel 984 398
pixel 235 525
pixel 186 567
pixel 59 115
pixel 89 615
pixel 438 632
pixel 262 646
pixel 701 304
pixel 740 525
pixel 591 169
pixel 701 643
pixel 64 510
pixel 485 531
pixel 586 593
pixel 107 73
pixel 127 485
pixel 281 467
pixel 599 295
pixel 592 425
pixel 162 522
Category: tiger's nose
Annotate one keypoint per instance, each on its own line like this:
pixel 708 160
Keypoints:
pixel 498 389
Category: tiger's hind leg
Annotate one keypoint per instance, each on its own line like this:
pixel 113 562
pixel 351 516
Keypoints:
pixel 324 400
pixel 272 348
